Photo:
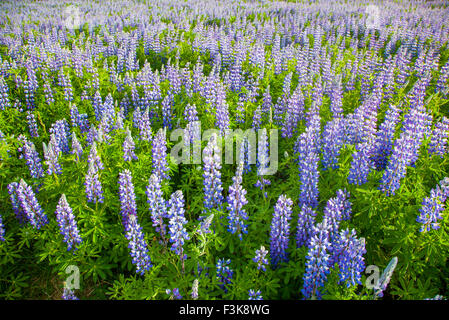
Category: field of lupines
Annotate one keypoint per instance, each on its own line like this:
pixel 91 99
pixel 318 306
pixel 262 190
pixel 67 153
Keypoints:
pixel 107 173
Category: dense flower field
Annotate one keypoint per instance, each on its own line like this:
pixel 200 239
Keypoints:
pixel 117 180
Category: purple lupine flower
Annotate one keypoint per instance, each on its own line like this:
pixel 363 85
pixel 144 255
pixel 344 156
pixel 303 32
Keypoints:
pixel 137 245
pixel 240 112
pixel 65 83
pixel 246 155
pixel 68 294
pixel 261 258
pixel 67 223
pixel 213 197
pixel 97 104
pixel 144 125
pixel 160 166
pixel 32 125
pixel 94 158
pixel 336 100
pixel 77 149
pixel 306 221
pixel 439 139
pixel 236 200
pixel 332 142
pixel 61 131
pixel 280 230
pixel 385 278
pixel 48 92
pixel 94 191
pixel 433 206
pixel 190 113
pixel 74 116
pixel 317 261
pixel 167 112
pixel 31 156
pixel 361 164
pixel 257 118
pixel 224 273
pixel 194 294
pixel 51 159
pixel 442 80
pixel 15 202
pixel 336 210
pixel 177 231
pixel 2 229
pixel 295 110
pixel 222 110
pixel 29 205
pixel 157 205
pixel 128 147
pixel 255 295
pixel 309 176
pixel 176 295
pixel 4 97
pixel 205 224
pixel 384 137
pixel 127 197
pixel 347 252
pixel 406 148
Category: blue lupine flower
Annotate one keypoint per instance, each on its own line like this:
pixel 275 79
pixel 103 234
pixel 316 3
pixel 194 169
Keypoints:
pixel 68 294
pixel 439 139
pixel 246 155
pixel 384 137
pixel 77 149
pixel 261 258
pixel 406 147
pixel 144 124
pixel 177 231
pixel 137 245
pixel 160 166
pixel 67 223
pixel 127 197
pixel 361 164
pixel 347 252
pixel 176 295
pixel 306 221
pixel 51 159
pixel 32 125
pixel 4 98
pixel 2 230
pixel 255 295
pixel 15 202
pixel 307 149
pixel 317 264
pixel 157 205
pixel 28 203
pixel 332 142
pixel 280 230
pixel 61 131
pixel 167 113
pixel 213 197
pixel 32 157
pixel 94 158
pixel 195 289
pixel 94 191
pixel 236 200
pixel 433 206
pixel 224 273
